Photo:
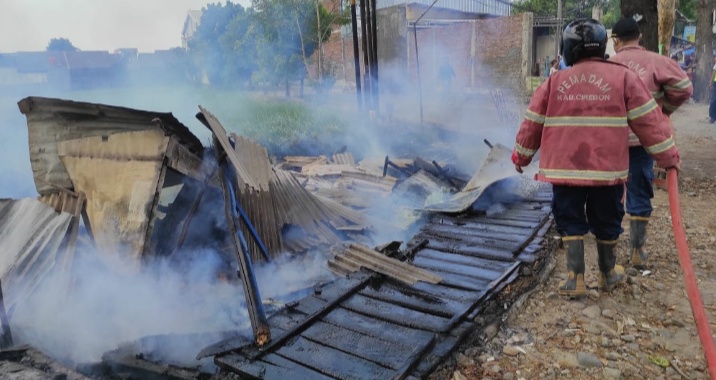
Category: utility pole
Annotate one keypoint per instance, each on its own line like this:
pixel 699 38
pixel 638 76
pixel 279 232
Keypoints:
pixel 558 33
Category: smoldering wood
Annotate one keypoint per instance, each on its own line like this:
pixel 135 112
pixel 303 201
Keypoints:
pixel 6 337
pixel 444 174
pixel 262 333
pixel 414 325
pixel 350 289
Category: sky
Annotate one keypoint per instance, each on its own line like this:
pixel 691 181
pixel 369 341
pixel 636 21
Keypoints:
pixel 28 25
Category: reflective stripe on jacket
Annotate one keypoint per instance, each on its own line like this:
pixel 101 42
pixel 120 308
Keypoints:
pixel 581 118
pixel 667 81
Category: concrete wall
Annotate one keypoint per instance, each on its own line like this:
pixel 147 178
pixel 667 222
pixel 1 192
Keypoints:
pixel 484 53
pixel 392 47
pixel 544 49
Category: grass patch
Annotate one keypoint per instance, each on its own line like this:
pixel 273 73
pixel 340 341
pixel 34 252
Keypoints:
pixel 283 126
pixel 290 128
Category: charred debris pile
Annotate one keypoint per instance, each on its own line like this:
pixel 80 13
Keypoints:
pixel 137 186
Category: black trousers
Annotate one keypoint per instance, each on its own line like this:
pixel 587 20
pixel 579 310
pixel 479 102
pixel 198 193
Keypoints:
pixel 581 209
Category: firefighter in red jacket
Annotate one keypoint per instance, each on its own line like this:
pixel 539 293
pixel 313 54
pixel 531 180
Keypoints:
pixel 671 88
pixel 581 118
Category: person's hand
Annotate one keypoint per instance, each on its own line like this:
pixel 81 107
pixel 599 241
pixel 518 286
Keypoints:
pixel 518 168
pixel 676 167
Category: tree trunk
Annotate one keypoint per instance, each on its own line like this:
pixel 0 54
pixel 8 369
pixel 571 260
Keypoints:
pixel 704 50
pixel 303 46
pixel 649 22
pixel 667 10
pixel 320 44
pixel 287 88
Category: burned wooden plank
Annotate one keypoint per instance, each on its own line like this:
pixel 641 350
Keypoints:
pixel 461 269
pixel 181 159
pixel 228 345
pixel 388 331
pixel 476 251
pixel 309 305
pixel 424 302
pixel 459 281
pixel 393 313
pixel 267 369
pixel 467 240
pixel 484 223
pixel 348 288
pixel 415 357
pixel 332 362
pixel 467 232
pixel 468 261
pixel 382 352
pixel 442 348
pixel 286 320
pixel 446 292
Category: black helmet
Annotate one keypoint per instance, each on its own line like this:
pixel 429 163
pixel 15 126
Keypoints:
pixel 583 38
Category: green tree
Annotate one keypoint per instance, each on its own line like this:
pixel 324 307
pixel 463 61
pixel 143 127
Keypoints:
pixel 289 35
pixel 216 50
pixel 61 44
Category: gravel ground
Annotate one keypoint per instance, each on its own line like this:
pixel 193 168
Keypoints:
pixel 643 329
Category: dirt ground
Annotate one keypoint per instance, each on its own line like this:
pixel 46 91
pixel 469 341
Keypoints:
pixel 642 330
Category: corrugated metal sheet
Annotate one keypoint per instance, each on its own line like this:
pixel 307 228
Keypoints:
pixel 352 257
pixel 497 166
pixel 488 7
pixel 120 174
pixel 344 159
pixel 65 201
pixel 31 234
pixel 52 121
pixel 284 213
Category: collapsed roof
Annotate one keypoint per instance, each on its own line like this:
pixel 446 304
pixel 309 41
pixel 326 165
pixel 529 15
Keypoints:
pixel 142 186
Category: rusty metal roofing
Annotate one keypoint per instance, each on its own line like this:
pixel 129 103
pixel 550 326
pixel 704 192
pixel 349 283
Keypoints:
pixel 367 326
pixel 53 121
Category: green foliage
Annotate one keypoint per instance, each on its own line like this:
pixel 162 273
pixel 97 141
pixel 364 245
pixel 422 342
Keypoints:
pixel 572 9
pixel 612 14
pixel 271 41
pixel 61 44
pixel 215 50
pixel 687 8
pixel 289 128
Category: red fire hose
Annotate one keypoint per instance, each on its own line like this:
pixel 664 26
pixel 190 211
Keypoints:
pixel 692 290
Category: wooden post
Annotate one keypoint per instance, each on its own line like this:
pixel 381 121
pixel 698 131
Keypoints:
pixel 356 54
pixel 257 317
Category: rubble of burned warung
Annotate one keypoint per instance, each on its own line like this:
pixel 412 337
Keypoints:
pixel 115 181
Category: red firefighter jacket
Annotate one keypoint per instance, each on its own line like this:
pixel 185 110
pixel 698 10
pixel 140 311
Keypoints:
pixel 581 117
pixel 668 83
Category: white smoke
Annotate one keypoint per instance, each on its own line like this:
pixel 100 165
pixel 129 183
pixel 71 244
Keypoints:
pixel 108 306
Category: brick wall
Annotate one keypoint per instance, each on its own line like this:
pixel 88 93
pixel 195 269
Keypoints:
pixel 498 57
